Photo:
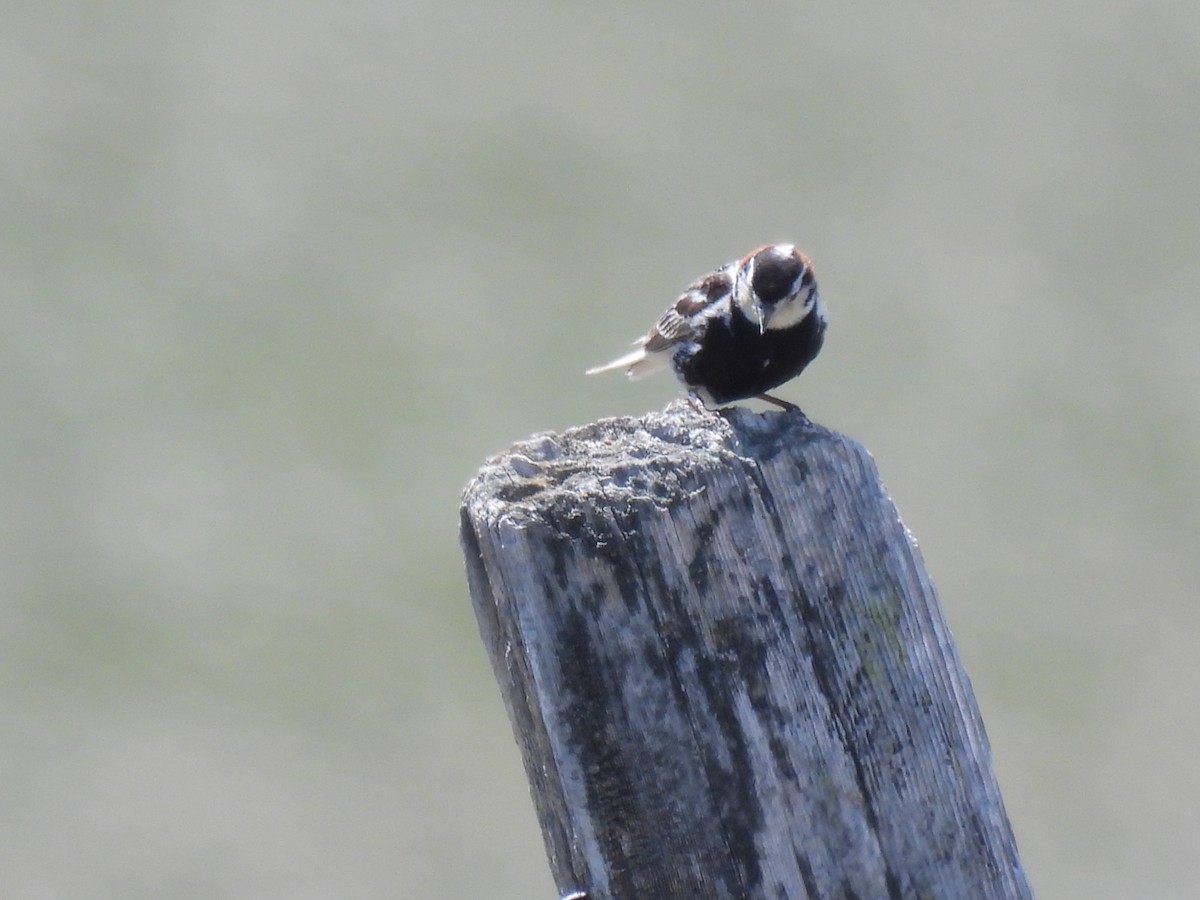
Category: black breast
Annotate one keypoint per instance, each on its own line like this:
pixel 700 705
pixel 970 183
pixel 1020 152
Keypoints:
pixel 733 361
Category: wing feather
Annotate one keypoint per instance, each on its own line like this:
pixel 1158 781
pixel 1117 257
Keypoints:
pixel 680 323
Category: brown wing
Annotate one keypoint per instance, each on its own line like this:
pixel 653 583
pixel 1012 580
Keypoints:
pixel 680 321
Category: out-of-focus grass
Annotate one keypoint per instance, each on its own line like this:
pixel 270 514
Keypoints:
pixel 275 281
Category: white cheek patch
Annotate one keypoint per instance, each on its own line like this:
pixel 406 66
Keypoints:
pixel 792 310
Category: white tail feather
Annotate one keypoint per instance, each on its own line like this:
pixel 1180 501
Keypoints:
pixel 637 364
pixel 623 362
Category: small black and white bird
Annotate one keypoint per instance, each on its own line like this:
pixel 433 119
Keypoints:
pixel 738 332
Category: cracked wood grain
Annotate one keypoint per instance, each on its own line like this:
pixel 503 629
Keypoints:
pixel 726 667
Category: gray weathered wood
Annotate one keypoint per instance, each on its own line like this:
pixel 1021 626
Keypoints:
pixel 726 667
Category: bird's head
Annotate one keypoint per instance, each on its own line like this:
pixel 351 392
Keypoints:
pixel 775 287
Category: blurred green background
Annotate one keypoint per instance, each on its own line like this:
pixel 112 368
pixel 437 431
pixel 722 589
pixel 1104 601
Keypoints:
pixel 277 277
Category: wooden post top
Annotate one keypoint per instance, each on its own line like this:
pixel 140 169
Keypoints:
pixel 726 666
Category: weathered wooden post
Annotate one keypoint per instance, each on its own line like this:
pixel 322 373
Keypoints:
pixel 726 667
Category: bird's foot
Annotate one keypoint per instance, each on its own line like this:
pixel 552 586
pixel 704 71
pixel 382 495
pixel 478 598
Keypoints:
pixel 782 404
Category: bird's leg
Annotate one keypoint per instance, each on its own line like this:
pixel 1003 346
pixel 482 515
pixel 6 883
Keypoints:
pixel 782 404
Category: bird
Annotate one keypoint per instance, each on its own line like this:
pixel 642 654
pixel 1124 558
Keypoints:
pixel 737 332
